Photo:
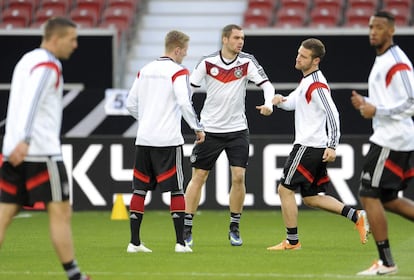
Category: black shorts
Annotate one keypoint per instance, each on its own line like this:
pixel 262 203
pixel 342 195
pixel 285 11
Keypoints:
pixel 385 173
pixel 305 170
pixel 235 144
pixel 158 166
pixel 37 179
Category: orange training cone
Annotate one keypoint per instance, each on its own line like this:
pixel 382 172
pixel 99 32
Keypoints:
pixel 119 210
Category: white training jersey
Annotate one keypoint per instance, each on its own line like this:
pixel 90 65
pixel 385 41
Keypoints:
pixel 391 91
pixel 224 106
pixel 159 98
pixel 34 111
pixel 316 116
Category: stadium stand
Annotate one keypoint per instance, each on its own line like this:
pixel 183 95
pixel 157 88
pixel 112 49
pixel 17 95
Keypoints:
pixel 296 4
pixel 28 5
pixel 288 17
pixel 261 4
pixel 363 4
pixel 129 4
pixel 258 17
pixel 15 17
pixel 402 15
pixel 115 15
pixel 43 14
pixel 358 16
pixel 336 5
pixel 63 5
pixel 84 17
pixel 96 5
pixel 406 4
pixel 325 17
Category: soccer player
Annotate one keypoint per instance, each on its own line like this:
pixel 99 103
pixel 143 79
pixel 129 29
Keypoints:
pixel 316 138
pixel 159 98
pixel 33 168
pixel 225 73
pixel 388 166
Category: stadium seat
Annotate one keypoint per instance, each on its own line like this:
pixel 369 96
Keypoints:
pixel 43 14
pixel 402 15
pixel 11 25
pixel 337 5
pixel 130 4
pixel 406 4
pixel 120 15
pixel 63 5
pixel 295 4
pixel 84 17
pixel 121 27
pixel 324 17
pixel 16 17
pixel 290 17
pixel 358 17
pixel 363 4
pixel 257 17
pixel 28 5
pixel 261 4
pixel 97 5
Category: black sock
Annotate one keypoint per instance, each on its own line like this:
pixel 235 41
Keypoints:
pixel 292 235
pixel 350 213
pixel 234 221
pixel 135 220
pixel 385 252
pixel 72 270
pixel 178 220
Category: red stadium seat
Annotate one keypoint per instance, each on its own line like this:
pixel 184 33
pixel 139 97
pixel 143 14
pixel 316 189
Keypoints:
pixel 84 17
pixel 257 18
pixel 290 17
pixel 261 4
pixel 130 4
pixel 365 4
pixel 97 5
pixel 324 17
pixel 121 27
pixel 63 5
pixel 28 5
pixel 337 5
pixel 358 17
pixel 16 17
pixel 120 15
pixel 406 4
pixel 12 25
pixel 43 14
pixel 402 15
pixel 296 4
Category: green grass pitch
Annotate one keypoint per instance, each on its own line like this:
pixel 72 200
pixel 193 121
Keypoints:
pixel 330 248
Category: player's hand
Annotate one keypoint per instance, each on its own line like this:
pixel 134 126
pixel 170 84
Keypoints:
pixel 19 153
pixel 264 110
pixel 357 100
pixel 329 155
pixel 200 137
pixel 277 99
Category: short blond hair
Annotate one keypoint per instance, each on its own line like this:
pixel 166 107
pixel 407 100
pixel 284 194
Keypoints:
pixel 175 39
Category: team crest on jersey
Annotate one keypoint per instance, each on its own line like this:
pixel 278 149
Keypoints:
pixel 238 72
pixel 214 71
